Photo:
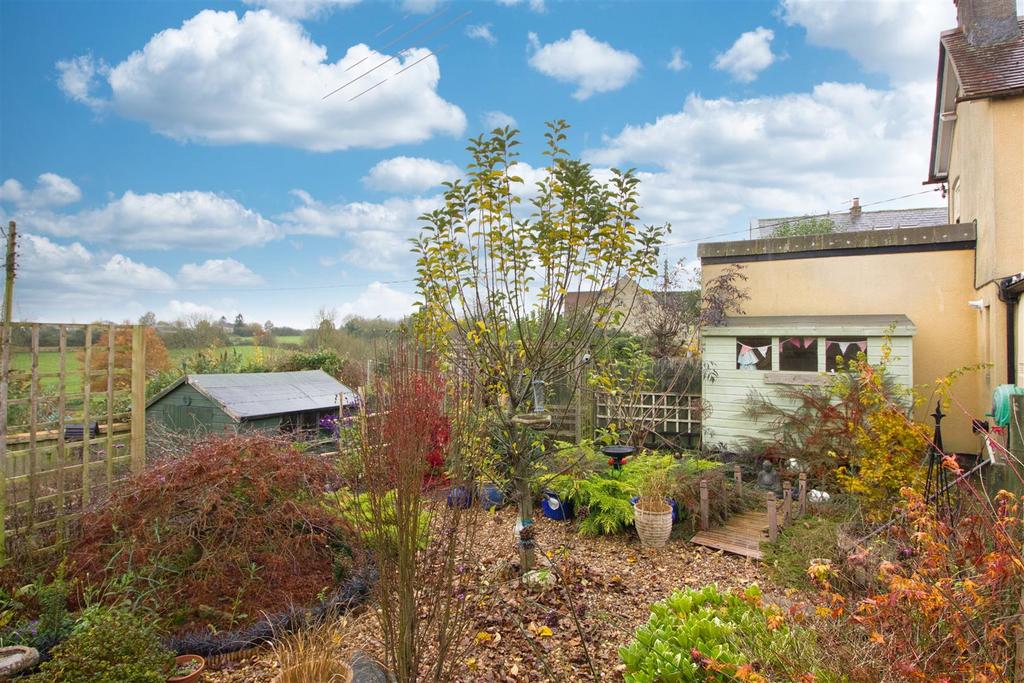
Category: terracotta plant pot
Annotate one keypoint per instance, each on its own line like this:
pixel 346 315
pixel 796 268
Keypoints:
pixel 653 520
pixel 318 671
pixel 192 677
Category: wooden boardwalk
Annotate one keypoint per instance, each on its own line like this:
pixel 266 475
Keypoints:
pixel 741 535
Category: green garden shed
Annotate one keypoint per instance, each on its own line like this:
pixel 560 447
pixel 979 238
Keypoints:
pixel 270 401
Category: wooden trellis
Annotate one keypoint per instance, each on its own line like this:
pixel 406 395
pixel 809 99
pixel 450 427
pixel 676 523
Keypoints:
pixel 72 422
pixel 662 412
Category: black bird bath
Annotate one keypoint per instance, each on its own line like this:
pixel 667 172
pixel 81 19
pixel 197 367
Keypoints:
pixel 617 454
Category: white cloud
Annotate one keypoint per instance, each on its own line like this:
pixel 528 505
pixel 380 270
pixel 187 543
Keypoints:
pixel 373 235
pixel 497 119
pixel 79 76
pixel 379 300
pixel 302 9
pixel 676 62
pixel 749 55
pixel 409 174
pixel 199 220
pixel 591 65
pixel 225 272
pixel 74 271
pixel 895 37
pixel 718 163
pixel 190 310
pixel 481 32
pixel 50 190
pixel 259 78
pixel 538 6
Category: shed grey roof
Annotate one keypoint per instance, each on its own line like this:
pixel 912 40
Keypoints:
pixel 848 221
pixel 839 325
pixel 259 394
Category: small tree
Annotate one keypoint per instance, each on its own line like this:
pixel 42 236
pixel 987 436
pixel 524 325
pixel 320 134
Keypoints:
pixel 494 279
pixel 156 357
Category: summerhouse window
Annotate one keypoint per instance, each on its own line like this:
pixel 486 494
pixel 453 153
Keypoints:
pixel 798 354
pixel 840 351
pixel 753 353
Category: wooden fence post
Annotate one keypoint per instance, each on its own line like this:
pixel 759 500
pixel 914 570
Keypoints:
pixel 737 476
pixel 138 438
pixel 705 514
pixel 787 501
pixel 773 522
pixel 5 359
pixel 802 507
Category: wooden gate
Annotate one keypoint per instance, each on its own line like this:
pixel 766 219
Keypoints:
pixel 72 424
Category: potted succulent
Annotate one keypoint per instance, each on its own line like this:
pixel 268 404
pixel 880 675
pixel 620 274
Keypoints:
pixel 652 514
pixel 187 669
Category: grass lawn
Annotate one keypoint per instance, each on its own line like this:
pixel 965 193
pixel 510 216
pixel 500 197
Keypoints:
pixel 289 339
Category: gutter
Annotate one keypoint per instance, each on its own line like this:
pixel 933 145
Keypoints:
pixel 1010 289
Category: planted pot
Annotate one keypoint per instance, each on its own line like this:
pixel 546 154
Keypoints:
pixel 459 497
pixel 653 520
pixel 554 507
pixel 187 669
pixel 672 504
pixel 323 670
pixel 491 496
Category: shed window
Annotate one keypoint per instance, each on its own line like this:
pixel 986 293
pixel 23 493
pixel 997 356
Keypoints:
pixel 753 353
pixel 798 354
pixel 839 351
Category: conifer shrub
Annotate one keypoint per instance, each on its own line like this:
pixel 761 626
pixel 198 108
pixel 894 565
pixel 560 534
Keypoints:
pixel 108 646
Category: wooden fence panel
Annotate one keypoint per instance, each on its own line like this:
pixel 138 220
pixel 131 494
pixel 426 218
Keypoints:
pixel 665 412
pixel 72 424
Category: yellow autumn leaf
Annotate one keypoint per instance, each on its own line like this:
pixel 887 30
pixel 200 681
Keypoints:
pixel 545 632
pixel 483 637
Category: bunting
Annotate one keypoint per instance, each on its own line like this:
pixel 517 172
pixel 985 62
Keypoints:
pixel 844 345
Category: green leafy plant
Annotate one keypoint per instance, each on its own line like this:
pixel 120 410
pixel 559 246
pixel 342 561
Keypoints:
pixel 804 226
pixel 382 536
pixel 109 646
pixel 603 497
pixel 708 635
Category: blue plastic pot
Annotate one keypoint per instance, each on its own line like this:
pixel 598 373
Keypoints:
pixel 491 497
pixel 459 497
pixel 672 503
pixel 554 507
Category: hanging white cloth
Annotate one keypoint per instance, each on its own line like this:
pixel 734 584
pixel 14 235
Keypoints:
pixel 747 359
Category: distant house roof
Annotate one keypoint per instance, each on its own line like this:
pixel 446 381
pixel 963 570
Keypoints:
pixel 986 70
pixel 848 221
pixel 260 394
pixel 970 72
pixel 839 325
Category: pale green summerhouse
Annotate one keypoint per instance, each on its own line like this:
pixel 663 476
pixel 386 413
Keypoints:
pixel 765 354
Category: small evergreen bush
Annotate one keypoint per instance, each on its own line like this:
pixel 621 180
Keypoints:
pixel 708 635
pixel 108 646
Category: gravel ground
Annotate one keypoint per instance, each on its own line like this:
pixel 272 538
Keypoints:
pixel 528 634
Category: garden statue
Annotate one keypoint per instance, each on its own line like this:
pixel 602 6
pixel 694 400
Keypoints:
pixel 768 478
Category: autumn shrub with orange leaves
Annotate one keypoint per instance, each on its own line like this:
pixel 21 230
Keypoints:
pixel 949 607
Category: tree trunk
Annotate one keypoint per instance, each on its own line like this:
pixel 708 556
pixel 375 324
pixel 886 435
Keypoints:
pixel 525 501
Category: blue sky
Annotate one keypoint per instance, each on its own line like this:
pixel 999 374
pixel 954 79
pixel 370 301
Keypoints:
pixel 178 157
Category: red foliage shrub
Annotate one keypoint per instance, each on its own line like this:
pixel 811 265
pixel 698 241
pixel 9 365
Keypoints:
pixel 229 530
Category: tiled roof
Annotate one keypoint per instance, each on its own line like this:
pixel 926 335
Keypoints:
pixel 986 70
pixel 865 220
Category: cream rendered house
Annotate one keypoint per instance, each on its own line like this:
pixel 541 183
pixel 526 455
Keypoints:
pixel 952 289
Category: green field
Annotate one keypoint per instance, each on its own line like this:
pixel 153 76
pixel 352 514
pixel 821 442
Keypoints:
pixel 49 363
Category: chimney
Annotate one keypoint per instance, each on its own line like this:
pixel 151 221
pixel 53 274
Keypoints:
pixel 855 210
pixel 988 22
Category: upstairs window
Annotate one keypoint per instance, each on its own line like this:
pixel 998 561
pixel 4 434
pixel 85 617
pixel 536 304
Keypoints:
pixel 840 351
pixel 798 354
pixel 753 353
